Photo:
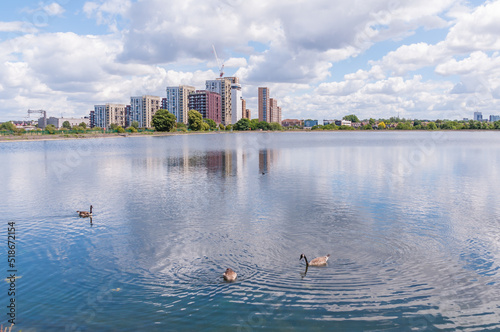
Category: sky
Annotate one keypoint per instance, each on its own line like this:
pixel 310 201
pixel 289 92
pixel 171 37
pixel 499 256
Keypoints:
pixel 321 59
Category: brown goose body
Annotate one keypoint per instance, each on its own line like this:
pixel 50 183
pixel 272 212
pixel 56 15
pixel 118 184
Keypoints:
pixel 85 214
pixel 318 261
pixel 229 275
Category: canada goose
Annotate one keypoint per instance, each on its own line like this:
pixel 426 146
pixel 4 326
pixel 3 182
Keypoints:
pixel 85 214
pixel 229 275
pixel 319 261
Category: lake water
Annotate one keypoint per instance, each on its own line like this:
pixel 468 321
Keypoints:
pixel 411 220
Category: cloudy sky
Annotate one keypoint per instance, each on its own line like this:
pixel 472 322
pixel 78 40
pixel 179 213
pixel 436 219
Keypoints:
pixel 321 59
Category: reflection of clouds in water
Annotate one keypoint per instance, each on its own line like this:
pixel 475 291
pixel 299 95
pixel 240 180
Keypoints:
pixel 175 212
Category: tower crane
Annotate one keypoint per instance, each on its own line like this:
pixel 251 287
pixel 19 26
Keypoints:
pixel 42 112
pixel 219 63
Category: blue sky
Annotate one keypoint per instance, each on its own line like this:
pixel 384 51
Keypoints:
pixel 321 59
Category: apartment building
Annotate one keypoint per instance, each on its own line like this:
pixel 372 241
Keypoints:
pixel 143 108
pixel 177 101
pixel 208 103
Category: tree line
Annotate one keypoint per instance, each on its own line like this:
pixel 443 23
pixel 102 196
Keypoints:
pixel 163 120
pixel 406 124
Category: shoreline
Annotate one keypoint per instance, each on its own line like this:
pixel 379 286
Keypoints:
pixel 33 138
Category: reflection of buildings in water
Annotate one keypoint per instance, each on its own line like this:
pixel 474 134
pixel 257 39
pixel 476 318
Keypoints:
pixel 223 162
pixel 212 162
pixel 266 159
pixel 220 161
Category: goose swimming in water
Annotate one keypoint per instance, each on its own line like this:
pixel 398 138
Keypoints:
pixel 229 275
pixel 319 261
pixel 85 214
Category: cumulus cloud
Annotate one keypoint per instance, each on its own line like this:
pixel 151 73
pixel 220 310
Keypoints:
pixel 302 43
pixel 295 51
pixel 17 27
pixel 54 9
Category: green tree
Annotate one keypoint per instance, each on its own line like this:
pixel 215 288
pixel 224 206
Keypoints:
pixel 8 126
pixel 496 124
pixel 243 124
pixel 195 120
pixel 331 126
pixel 431 126
pixel 113 126
pixel 132 129
pixel 317 127
pixel 229 127
pixel 135 124
pixel 351 117
pixel 275 126
pixel 120 129
pixel 372 121
pixel 367 126
pixel 83 125
pixel 66 124
pixel 51 129
pixel 264 125
pixel 404 126
pixel 344 127
pixel 221 126
pixel 254 124
pixel 211 123
pixel 449 125
pixel 163 120
pixel 381 125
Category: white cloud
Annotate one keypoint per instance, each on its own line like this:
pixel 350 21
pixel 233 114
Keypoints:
pixel 293 50
pixel 17 27
pixel 477 63
pixel 412 57
pixel 235 63
pixel 54 9
pixel 476 31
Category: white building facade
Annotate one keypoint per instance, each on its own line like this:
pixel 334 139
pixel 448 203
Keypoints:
pixel 236 103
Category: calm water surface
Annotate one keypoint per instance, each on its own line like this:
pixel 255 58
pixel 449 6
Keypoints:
pixel 411 220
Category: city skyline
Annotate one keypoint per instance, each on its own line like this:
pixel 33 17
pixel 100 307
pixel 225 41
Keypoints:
pixel 431 59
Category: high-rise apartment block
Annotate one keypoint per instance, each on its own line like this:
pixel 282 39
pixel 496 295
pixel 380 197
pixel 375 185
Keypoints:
pixel 269 110
pixel 143 108
pixel 105 115
pixel 264 104
pixel 274 111
pixel 208 103
pixel 246 114
pixel 236 105
pixel 243 108
pixel 178 100
pixel 222 86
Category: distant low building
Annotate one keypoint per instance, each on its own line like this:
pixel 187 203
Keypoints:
pixel 292 122
pixel 343 123
pixel 478 116
pixel 58 122
pixel 310 123
pixel 494 118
